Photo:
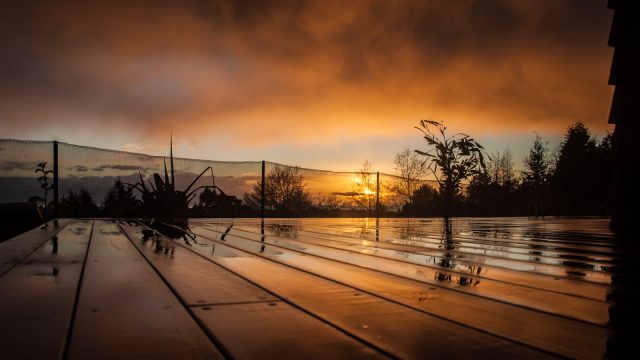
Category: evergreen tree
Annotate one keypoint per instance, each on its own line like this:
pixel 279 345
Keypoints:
pixel 425 201
pixel 78 205
pixel 119 201
pixel 577 168
pixel 537 164
pixel 536 174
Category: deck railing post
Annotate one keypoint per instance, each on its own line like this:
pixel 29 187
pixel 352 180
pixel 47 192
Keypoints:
pixel 377 204
pixel 262 191
pixel 377 194
pixel 55 179
pixel 262 203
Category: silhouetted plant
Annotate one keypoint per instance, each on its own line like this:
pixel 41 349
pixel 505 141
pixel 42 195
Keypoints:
pixel 44 179
pixel 451 159
pixel 163 201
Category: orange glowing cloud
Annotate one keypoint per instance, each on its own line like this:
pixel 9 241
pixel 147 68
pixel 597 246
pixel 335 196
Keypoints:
pixel 259 72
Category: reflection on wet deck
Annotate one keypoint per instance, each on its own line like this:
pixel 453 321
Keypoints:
pixel 325 288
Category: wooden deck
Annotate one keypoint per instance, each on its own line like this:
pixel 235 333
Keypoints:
pixel 312 288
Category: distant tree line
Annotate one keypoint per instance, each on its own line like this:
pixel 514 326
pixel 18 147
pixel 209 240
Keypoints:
pixel 575 181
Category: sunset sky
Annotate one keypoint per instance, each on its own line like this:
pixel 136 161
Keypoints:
pixel 323 84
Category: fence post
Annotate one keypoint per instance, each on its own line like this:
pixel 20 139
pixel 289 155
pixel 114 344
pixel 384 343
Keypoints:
pixel 377 204
pixel 262 192
pixel 55 179
pixel 377 194
pixel 262 206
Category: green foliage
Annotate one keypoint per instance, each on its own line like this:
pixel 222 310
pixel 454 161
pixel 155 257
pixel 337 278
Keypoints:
pixel 44 180
pixel 451 159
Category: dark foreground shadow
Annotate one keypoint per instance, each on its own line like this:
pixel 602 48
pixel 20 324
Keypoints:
pixel 624 311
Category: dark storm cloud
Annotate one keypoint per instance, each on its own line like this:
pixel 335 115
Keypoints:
pixel 8 165
pixel 79 168
pixel 252 67
pixel 120 168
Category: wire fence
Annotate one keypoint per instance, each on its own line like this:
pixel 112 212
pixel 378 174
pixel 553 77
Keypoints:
pixel 96 171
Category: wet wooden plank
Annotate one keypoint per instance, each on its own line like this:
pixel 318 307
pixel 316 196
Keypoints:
pixel 125 310
pixel 196 280
pixel 550 267
pixel 463 266
pixel 276 330
pixel 38 295
pixel 555 334
pixel 561 304
pixel 405 240
pixel 19 247
pixel 248 321
pixel 397 329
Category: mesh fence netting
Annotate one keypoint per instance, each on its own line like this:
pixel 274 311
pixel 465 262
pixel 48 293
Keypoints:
pixel 289 190
pixel 18 161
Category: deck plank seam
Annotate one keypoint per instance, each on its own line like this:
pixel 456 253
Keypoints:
pixel 235 303
pixel 406 278
pixel 420 251
pixel 430 238
pixel 504 337
pixel 295 305
pixel 214 340
pixel 441 269
pixel 424 249
pixel 69 333
pixel 16 263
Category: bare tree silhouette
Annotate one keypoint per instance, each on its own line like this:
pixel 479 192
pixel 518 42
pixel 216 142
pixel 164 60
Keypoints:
pixel 411 169
pixel 285 192
pixel 364 189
